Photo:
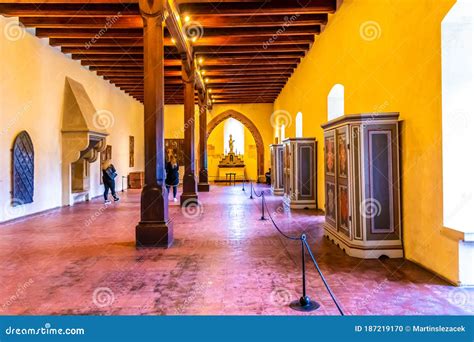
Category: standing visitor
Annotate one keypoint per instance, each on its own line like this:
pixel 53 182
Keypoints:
pixel 172 176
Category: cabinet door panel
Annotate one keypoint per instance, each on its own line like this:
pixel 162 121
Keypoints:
pixel 280 167
pixel 330 177
pixel 306 171
pixel 381 203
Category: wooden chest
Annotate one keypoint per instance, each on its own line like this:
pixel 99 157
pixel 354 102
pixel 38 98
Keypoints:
pixel 136 180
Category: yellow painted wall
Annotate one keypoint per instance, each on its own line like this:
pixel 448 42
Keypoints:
pixel 215 151
pixel 31 98
pixel 387 55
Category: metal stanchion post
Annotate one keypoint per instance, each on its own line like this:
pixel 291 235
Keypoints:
pixel 251 189
pixel 122 182
pixel 263 206
pixel 304 303
pixel 243 183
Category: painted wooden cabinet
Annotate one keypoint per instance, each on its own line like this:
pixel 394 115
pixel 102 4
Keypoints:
pixel 362 189
pixel 299 173
pixel 276 160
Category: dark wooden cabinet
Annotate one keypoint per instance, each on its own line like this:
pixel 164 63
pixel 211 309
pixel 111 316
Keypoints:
pixel 299 173
pixel 362 189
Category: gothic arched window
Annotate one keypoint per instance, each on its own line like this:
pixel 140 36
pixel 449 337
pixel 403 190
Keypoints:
pixel 23 167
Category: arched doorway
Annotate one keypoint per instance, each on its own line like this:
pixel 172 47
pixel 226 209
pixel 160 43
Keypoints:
pixel 251 127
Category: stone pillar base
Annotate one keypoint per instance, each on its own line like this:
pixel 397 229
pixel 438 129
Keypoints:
pixel 203 187
pixel 154 234
pixel 188 198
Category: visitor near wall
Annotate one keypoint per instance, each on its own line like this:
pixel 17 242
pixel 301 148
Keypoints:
pixel 108 176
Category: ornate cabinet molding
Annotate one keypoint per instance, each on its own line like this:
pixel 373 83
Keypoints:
pixel 361 168
pixel 276 159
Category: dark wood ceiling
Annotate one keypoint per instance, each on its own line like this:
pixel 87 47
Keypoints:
pixel 246 50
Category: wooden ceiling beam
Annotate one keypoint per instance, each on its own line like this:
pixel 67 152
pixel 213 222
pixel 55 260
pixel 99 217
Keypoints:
pixel 80 54
pixel 251 48
pixel 199 50
pixel 124 62
pixel 247 84
pixel 139 73
pixel 250 67
pixel 68 8
pixel 171 79
pixel 127 15
pixel 247 79
pixel 97 60
pixel 280 20
pixel 131 68
pixel 282 7
pixel 70 27
pixel 204 41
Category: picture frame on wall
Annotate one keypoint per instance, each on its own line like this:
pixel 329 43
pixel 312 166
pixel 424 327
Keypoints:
pixel 131 151
pixel 175 147
pixel 108 152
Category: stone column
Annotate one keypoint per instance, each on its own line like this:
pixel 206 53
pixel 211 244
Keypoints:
pixel 155 229
pixel 189 194
pixel 203 185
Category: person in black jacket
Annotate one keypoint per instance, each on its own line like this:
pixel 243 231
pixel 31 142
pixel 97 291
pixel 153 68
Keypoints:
pixel 172 176
pixel 108 176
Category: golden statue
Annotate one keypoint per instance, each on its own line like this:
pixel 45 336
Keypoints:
pixel 231 144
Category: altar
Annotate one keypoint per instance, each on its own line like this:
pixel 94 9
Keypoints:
pixel 231 166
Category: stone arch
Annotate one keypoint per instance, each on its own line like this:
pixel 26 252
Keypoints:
pixel 251 127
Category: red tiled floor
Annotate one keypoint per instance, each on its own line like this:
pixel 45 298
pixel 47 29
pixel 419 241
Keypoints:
pixel 82 260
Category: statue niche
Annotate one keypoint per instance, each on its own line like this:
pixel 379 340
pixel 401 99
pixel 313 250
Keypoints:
pixel 231 163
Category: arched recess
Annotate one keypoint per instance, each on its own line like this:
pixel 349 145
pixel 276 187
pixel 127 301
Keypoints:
pixel 251 127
